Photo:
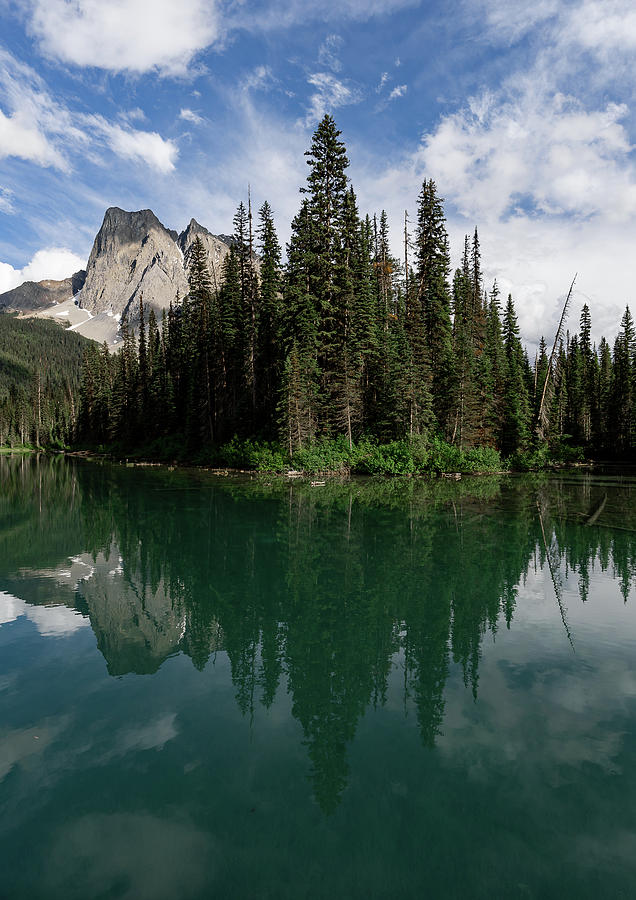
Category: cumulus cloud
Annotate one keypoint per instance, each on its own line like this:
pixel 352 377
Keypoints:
pixel 20 138
pixel 56 263
pixel 126 35
pixel 542 164
pixel 330 93
pixel 534 152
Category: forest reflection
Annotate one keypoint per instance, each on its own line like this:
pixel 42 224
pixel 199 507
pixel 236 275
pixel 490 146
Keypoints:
pixel 317 590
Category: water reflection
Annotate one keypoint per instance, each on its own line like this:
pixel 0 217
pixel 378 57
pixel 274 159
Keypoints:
pixel 323 590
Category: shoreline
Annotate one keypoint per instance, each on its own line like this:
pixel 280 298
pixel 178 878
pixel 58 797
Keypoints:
pixel 291 474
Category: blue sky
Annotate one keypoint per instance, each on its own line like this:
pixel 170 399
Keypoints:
pixel 521 111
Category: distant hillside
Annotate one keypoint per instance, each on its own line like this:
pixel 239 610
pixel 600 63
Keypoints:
pixel 34 295
pixel 39 380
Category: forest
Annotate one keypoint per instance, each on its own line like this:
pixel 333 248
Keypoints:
pixel 40 369
pixel 346 358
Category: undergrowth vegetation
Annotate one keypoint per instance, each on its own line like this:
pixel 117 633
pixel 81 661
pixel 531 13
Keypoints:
pixel 410 456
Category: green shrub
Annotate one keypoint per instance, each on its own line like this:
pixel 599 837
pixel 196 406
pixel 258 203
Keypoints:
pixel 249 454
pixel 327 455
pixel 482 459
pixel 530 460
pixel 563 452
pixel 388 459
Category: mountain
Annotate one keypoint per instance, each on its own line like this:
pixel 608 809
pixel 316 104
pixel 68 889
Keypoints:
pixel 217 248
pixel 37 294
pixel 133 254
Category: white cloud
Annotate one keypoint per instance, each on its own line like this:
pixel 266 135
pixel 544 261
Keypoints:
pixel 125 35
pixel 328 52
pixel 9 277
pixel 56 263
pixel 330 93
pixel 140 146
pixel 532 149
pixel 259 79
pixel 267 16
pixel 18 137
pixel 509 20
pixel 398 91
pixel 37 127
pixel 600 26
pixel 6 200
pixel 44 131
pixel 546 171
pixel 383 80
pixel 604 27
pixel 134 115
pixel 188 115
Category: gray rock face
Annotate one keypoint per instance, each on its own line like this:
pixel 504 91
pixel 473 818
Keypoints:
pixel 40 294
pixel 216 248
pixel 132 253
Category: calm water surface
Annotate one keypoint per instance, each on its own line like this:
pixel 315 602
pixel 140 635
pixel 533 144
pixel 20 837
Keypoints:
pixel 221 688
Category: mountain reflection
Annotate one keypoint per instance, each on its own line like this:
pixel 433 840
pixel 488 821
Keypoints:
pixel 319 590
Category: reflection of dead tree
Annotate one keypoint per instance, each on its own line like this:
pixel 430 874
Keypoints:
pixel 554 574
pixel 596 513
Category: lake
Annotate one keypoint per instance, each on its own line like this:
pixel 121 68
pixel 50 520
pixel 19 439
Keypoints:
pixel 263 688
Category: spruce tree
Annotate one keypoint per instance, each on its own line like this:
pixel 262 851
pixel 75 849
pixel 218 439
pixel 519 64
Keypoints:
pixel 270 358
pixel 432 262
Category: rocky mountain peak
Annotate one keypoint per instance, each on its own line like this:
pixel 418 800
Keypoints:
pixel 133 253
pixel 122 227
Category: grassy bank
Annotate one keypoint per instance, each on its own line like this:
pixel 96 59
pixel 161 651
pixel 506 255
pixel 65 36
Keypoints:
pixel 411 456
pixel 20 448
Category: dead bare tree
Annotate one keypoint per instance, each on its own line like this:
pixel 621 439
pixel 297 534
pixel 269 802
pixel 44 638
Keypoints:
pixel 543 414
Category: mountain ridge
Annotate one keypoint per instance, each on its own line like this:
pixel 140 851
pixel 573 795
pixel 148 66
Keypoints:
pixel 133 253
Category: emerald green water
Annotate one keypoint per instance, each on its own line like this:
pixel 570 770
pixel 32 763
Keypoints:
pixel 213 687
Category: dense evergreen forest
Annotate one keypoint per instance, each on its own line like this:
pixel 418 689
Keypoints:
pixel 40 367
pixel 343 349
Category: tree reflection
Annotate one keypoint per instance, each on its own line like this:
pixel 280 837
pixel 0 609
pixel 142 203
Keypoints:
pixel 322 591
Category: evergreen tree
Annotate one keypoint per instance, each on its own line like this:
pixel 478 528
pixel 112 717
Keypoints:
pixel 270 359
pixel 623 394
pixel 432 260
pixel 515 421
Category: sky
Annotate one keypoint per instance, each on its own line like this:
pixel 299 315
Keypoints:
pixel 521 111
